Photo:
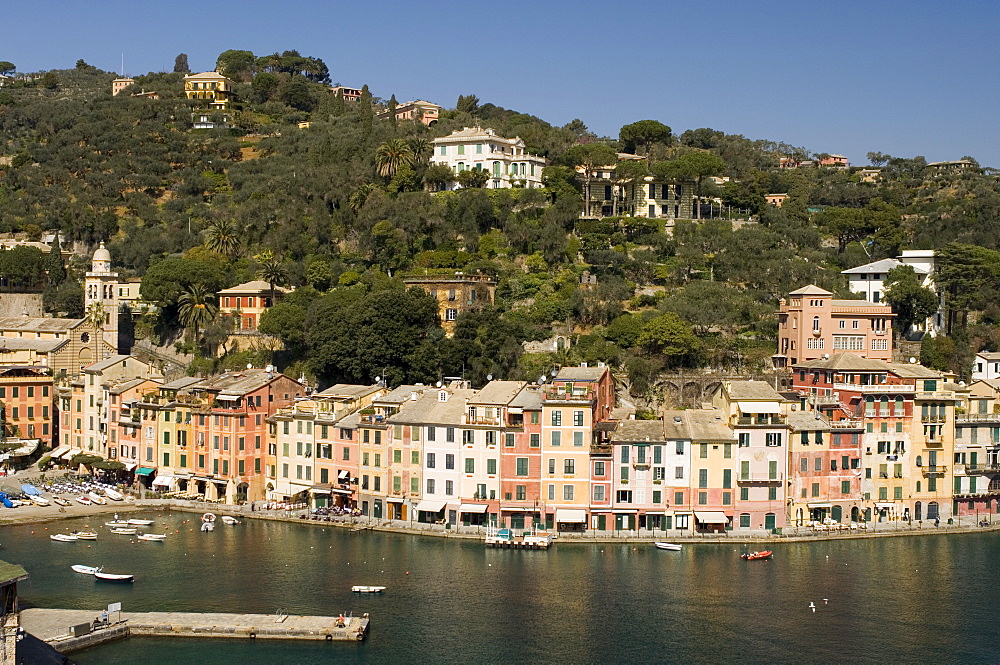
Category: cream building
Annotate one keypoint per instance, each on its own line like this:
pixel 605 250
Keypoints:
pixel 506 160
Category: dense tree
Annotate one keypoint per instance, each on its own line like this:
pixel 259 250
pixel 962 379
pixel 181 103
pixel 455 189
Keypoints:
pixel 196 308
pixel 168 278
pixel 181 64
pixel 236 64
pixel 968 275
pixel 643 134
pixel 7 68
pixel 473 178
pixel 391 156
pixel 467 104
pixel 668 336
pixel 911 301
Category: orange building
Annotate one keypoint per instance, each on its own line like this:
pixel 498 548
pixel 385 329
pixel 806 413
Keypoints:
pixel 248 301
pixel 812 324
pixel 27 398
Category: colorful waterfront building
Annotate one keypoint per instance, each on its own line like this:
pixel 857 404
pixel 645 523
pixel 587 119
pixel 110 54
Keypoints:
pixel 757 416
pixel 373 427
pixel 127 445
pixel 577 399
pixel 638 454
pixel 27 397
pixel 443 470
pixel 521 460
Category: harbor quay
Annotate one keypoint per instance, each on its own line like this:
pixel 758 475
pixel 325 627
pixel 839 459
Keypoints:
pixel 56 627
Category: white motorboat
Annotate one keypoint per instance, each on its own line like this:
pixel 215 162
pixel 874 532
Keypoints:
pixel 125 531
pixel 63 537
pixel 227 519
pixel 140 522
pixel 208 517
pixel 85 570
pixel 109 577
pixel 85 500
pixel 207 526
pixel 117 523
pixel 153 537
pixel 39 501
pixel 114 495
pixel 61 501
pixel 359 588
pixel 668 546
pixel 85 535
pixel 97 498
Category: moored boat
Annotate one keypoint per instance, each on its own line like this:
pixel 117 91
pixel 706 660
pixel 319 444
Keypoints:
pixel 153 537
pixel 207 526
pixel 227 519
pixel 85 570
pixel 673 547
pixel 85 535
pixel 97 498
pixel 61 501
pixel 63 537
pixel 109 577
pixel 754 556
pixel 125 531
pixel 359 588
pixel 39 501
pixel 114 495
pixel 134 522
pixel 208 517
pixel 117 523
pixel 85 500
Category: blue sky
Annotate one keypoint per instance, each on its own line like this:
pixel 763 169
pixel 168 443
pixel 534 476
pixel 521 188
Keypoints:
pixel 905 78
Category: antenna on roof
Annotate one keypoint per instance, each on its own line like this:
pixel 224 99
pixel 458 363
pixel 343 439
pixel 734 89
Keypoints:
pixel 123 64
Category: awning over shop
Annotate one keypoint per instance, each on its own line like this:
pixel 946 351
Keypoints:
pixel 343 475
pixel 220 481
pixel 759 407
pixel 571 516
pixel 517 507
pixel 182 476
pixel 472 508
pixel 885 506
pixel 711 517
pixel 27 447
pixel 340 491
pixel 428 506
pixel 625 511
pixel 145 471
pixel 69 453
pixel 228 398
pixel 813 506
pixel 203 479
pixel 59 452
pixel 162 481
pixel 130 466
pixel 394 499
pixel 319 489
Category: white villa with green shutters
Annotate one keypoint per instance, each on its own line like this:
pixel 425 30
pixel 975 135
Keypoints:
pixel 506 160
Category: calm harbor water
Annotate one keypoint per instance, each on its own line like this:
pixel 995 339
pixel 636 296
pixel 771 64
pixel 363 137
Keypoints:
pixel 922 599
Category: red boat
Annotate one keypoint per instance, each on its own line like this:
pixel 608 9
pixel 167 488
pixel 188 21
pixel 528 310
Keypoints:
pixel 753 556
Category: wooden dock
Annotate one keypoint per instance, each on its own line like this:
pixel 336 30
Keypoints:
pixel 54 626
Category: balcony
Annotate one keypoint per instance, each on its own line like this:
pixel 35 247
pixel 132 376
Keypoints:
pixel 554 394
pixel 760 421
pixel 934 470
pixel 759 478
pixel 880 388
pixel 482 420
pixel 977 418
pixel 601 449
pixel 980 468
pixel 937 395
pixel 847 424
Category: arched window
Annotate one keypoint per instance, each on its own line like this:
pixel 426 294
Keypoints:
pixel 883 407
pixel 920 460
pixel 816 324
pixel 932 510
pixel 869 406
pixel 898 411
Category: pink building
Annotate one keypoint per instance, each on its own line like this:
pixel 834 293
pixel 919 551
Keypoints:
pixel 834 160
pixel 812 324
pixel 521 459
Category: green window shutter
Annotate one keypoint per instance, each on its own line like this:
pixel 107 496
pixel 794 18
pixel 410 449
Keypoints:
pixel 772 470
pixel 727 478
pixel 702 477
pixel 845 486
pixel 745 470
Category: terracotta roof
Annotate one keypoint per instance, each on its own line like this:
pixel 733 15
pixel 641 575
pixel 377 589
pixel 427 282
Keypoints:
pixel 580 373
pixel 751 390
pixel 497 392
pixel 348 391
pixel 38 324
pixel 845 362
pixel 810 290
pixel 914 371
pixel 639 430
pixel 803 420
pixel 255 286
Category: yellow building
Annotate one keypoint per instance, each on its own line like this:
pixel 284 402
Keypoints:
pixel 212 87
pixel 456 294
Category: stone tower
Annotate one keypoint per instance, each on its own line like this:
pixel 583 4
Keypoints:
pixel 99 287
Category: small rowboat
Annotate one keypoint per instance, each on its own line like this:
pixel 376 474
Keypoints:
pixel 63 537
pixel 38 501
pixel 61 501
pixel 125 531
pixel 85 535
pixel 754 556
pixel 140 522
pixel 207 526
pixel 85 570
pixel 227 519
pixel 85 500
pixel 367 589
pixel 668 546
pixel 109 577
pixel 153 537
pixel 114 523
pixel 208 517
pixel 114 495
pixel 97 498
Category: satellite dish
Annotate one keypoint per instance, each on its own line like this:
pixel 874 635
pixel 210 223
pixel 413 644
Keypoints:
pixel 913 360
pixel 541 379
pixel 378 379
pixel 489 377
pixel 438 384
pixel 249 365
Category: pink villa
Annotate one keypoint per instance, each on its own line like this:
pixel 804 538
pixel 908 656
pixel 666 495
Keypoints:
pixel 248 301
pixel 812 324
pixel 834 160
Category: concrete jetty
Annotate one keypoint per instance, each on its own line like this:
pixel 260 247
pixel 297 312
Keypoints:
pixel 53 626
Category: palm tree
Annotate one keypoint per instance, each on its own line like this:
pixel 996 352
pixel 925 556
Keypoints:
pixel 196 308
pixel 421 149
pixel 271 271
pixel 358 197
pixel 223 237
pixel 391 156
